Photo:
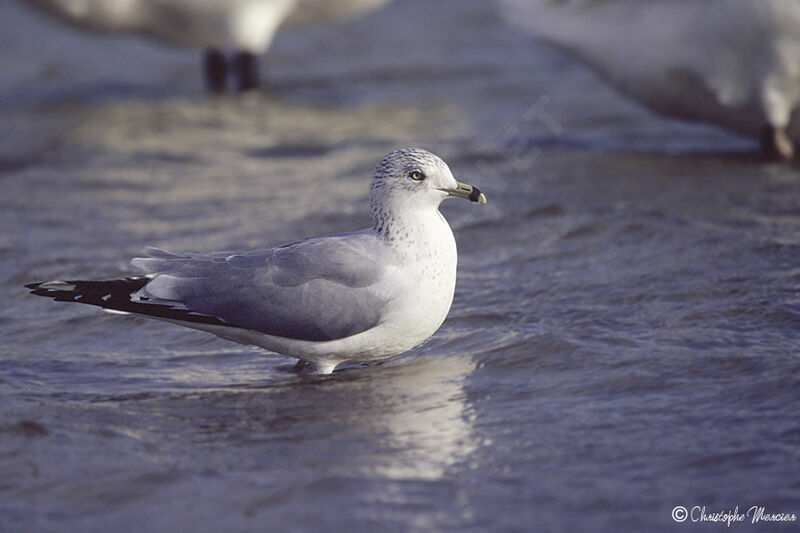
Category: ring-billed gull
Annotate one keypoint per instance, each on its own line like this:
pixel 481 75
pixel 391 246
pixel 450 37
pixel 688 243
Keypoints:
pixel 246 27
pixel 351 297
pixel 734 63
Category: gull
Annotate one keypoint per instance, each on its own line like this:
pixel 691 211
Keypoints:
pixel 733 63
pixel 344 298
pixel 245 27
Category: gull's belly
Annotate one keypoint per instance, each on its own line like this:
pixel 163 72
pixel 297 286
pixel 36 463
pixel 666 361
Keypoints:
pixel 418 305
pixel 408 321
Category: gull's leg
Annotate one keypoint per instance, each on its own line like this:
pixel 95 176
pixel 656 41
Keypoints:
pixel 215 69
pixel 246 66
pixel 318 367
pixel 776 144
pixel 324 367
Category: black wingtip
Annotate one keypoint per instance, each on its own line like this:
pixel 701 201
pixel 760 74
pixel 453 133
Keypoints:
pixel 94 292
pixel 37 290
pixel 115 295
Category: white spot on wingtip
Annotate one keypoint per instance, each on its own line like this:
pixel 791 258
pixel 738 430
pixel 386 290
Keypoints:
pixel 78 297
pixel 115 312
pixel 57 285
pixel 106 297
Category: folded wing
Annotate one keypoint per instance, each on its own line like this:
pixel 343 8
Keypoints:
pixel 317 290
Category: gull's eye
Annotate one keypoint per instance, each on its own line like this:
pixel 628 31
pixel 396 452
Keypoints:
pixel 417 175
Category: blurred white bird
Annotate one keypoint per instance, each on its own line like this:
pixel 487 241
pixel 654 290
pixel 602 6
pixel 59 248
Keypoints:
pixel 734 63
pixel 244 28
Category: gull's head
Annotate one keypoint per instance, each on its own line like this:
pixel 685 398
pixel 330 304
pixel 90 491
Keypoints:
pixel 414 177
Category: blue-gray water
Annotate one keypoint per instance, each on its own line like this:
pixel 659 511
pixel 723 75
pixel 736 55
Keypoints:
pixel 625 335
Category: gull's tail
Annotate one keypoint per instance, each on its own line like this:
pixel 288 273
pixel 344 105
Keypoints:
pixel 117 296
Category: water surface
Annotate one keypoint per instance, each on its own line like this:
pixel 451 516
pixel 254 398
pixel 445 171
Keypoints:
pixel 624 337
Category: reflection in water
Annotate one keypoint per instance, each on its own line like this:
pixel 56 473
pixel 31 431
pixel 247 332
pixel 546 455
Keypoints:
pixel 407 419
pixel 420 415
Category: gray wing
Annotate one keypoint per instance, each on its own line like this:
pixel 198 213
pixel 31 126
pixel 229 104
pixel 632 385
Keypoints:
pixel 319 289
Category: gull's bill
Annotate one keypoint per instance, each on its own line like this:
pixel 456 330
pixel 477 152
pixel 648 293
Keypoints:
pixel 467 192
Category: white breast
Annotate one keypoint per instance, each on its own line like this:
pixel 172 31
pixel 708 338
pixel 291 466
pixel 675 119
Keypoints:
pixel 246 25
pixel 426 276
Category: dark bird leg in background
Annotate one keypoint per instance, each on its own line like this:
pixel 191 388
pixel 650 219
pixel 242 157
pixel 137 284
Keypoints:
pixel 776 144
pixel 245 66
pixel 216 70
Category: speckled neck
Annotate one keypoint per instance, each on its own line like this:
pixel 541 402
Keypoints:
pixel 388 225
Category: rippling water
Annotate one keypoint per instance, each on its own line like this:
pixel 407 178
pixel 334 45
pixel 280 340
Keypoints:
pixel 624 337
